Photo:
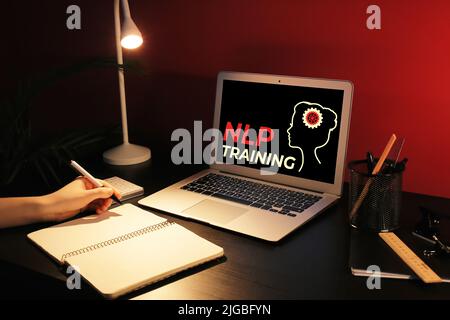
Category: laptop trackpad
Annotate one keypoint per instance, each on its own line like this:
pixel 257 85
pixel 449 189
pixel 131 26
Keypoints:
pixel 215 212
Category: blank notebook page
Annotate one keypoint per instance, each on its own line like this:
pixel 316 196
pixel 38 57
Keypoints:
pixel 134 263
pixel 129 264
pixel 89 230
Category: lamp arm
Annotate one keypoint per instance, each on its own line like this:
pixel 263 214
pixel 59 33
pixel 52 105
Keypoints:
pixel 126 9
pixel 126 153
pixel 123 104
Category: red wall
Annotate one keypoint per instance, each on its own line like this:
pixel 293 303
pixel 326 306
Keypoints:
pixel 400 73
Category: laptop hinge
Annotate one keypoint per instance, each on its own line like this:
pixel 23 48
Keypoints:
pixel 331 195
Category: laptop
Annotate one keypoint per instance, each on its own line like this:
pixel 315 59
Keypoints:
pixel 280 160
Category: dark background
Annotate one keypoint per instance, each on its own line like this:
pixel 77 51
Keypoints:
pixel 400 73
pixel 272 105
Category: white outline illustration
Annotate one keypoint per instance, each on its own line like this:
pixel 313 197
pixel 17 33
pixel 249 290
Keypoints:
pixel 315 149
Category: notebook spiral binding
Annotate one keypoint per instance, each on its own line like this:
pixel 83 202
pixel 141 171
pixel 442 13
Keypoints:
pixel 119 239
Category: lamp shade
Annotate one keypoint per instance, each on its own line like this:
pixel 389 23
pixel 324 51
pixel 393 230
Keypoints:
pixel 131 37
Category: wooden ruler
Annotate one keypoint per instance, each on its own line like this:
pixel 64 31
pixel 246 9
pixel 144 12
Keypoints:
pixel 420 268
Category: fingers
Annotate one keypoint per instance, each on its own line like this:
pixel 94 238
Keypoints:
pixel 89 185
pixel 107 184
pixel 104 207
pixel 99 199
pixel 100 205
pixel 96 204
pixel 99 193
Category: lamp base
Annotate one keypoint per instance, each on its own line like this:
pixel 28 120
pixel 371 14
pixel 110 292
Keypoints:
pixel 127 154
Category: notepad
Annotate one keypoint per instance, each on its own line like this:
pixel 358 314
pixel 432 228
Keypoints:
pixel 126 188
pixel 125 248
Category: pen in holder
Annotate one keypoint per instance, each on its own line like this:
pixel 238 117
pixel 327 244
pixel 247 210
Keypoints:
pixel 379 196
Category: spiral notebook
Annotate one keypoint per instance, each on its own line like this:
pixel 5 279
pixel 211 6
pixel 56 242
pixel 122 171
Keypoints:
pixel 125 248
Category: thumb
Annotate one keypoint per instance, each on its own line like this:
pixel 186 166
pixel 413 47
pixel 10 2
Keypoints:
pixel 99 193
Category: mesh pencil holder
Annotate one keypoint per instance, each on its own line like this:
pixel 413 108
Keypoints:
pixel 379 197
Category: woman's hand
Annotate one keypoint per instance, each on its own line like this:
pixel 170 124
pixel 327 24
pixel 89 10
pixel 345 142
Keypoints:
pixel 77 196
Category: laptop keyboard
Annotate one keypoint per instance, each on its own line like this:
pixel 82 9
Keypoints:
pixel 258 195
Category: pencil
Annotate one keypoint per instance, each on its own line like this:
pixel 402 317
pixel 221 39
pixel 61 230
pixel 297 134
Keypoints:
pixel 375 171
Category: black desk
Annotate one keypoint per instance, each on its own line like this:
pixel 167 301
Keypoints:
pixel 311 263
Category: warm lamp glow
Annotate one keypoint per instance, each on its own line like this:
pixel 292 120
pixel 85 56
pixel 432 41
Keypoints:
pixel 131 37
pixel 131 41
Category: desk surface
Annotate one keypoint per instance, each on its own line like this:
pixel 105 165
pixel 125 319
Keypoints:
pixel 311 263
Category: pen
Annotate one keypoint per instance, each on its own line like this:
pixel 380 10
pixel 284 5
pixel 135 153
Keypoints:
pixel 370 162
pixel 88 176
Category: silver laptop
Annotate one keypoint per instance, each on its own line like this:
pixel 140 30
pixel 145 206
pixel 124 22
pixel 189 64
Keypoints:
pixel 280 162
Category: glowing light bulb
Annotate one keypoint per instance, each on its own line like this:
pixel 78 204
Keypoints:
pixel 131 41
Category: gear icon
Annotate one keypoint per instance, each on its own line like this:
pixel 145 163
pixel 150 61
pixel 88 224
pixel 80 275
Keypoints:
pixel 312 118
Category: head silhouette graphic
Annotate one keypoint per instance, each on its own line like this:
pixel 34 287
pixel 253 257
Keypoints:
pixel 310 129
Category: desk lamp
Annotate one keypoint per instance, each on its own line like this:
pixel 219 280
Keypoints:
pixel 130 38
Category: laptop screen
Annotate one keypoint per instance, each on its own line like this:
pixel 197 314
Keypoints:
pixel 298 126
